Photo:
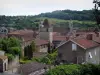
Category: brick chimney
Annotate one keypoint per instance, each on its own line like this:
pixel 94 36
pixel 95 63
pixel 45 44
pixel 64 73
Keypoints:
pixel 89 36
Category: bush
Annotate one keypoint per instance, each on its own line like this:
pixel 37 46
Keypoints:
pixel 10 57
pixel 14 50
pixel 87 69
pixel 24 61
pixel 49 59
pixel 46 60
pixel 90 69
pixel 36 59
pixel 64 70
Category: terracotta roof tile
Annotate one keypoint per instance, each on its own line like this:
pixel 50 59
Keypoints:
pixel 85 43
pixel 60 38
pixel 21 32
pixel 40 42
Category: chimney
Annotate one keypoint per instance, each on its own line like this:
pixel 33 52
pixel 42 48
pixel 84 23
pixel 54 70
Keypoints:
pixel 89 36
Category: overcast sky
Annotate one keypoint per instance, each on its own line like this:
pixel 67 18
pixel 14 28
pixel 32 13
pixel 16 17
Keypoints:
pixel 32 7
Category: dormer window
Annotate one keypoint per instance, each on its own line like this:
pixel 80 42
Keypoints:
pixel 74 47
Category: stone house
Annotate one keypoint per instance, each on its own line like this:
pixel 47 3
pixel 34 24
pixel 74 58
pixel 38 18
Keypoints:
pixel 79 50
pixel 42 45
pixel 25 36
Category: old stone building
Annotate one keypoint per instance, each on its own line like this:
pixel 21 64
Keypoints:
pixel 79 50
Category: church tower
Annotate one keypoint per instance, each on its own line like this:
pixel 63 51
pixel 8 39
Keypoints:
pixel 45 31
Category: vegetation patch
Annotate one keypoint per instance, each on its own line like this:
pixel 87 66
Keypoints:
pixel 73 69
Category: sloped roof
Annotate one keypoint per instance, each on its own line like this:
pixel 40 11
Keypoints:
pixel 28 35
pixel 21 32
pixel 31 67
pixel 82 42
pixel 59 38
pixel 40 42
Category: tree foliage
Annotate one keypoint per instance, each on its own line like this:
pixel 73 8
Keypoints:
pixel 11 46
pixel 48 59
pixel 64 70
pixel 69 14
pixel 87 69
pixel 33 46
pixel 31 22
pixel 46 22
pixel 10 57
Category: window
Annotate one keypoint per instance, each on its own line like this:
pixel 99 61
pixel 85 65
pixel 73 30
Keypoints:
pixel 74 47
pixel 90 55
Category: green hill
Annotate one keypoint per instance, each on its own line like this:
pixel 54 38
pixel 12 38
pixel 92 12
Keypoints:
pixel 69 14
pixel 81 19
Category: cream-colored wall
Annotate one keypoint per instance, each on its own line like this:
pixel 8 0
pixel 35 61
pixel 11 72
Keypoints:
pixel 43 49
pixel 5 62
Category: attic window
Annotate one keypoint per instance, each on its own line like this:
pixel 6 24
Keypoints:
pixel 74 47
pixel 90 55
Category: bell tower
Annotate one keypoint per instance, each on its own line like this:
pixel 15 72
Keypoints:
pixel 45 31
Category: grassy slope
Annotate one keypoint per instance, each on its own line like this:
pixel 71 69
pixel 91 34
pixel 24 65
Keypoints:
pixel 65 23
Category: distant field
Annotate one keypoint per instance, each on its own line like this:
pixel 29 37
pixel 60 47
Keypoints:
pixel 65 23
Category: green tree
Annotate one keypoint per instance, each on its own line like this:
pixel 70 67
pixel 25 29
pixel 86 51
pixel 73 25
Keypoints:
pixel 14 42
pixel 10 57
pixel 33 47
pixel 11 46
pixel 46 22
pixel 15 50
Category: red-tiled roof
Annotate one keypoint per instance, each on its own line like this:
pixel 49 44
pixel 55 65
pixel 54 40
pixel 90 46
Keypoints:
pixel 27 35
pixel 60 38
pixel 85 43
pixel 97 39
pixel 21 32
pixel 40 42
